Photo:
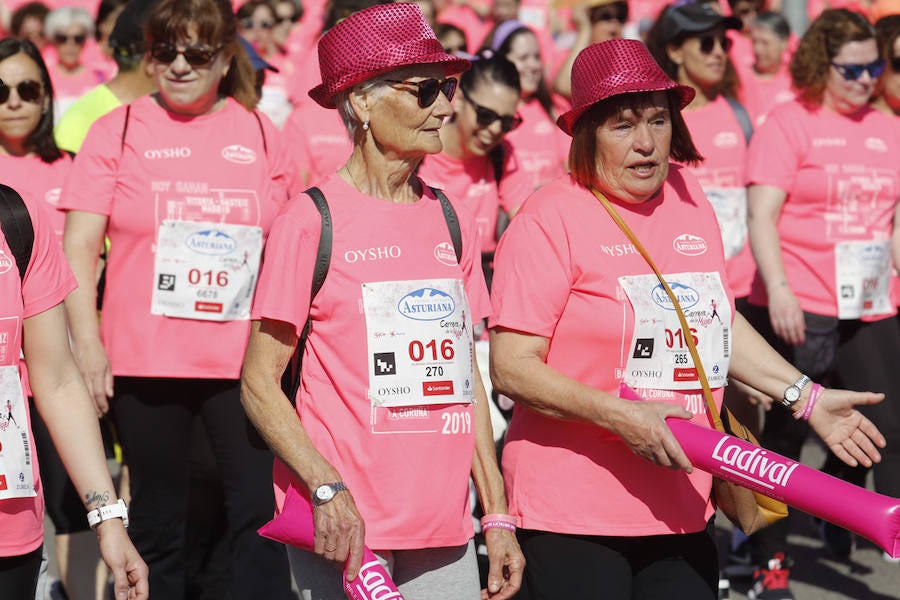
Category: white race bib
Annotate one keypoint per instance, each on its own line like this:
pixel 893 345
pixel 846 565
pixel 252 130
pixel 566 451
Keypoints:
pixel 730 206
pixel 16 477
pixel 420 342
pixel 863 278
pixel 206 271
pixel 659 357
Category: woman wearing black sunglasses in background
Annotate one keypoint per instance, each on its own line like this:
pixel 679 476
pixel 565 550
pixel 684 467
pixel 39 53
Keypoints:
pixel 823 194
pixel 393 418
pixel 185 183
pixel 68 29
pixel 476 165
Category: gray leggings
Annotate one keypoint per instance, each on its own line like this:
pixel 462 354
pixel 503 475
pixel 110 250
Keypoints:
pixel 426 574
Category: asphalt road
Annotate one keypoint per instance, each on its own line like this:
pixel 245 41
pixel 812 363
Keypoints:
pixel 815 575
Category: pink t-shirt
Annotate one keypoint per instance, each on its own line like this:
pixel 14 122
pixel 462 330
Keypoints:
pixel 67 88
pixel 843 184
pixel 760 96
pixel 408 467
pixel 47 282
pixel 32 177
pixel 541 148
pixel 556 276
pixel 468 20
pixel 474 181
pixel 720 139
pixel 317 141
pixel 224 167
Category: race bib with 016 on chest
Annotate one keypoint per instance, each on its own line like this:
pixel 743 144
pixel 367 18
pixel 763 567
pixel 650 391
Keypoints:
pixel 659 356
pixel 420 343
pixel 206 271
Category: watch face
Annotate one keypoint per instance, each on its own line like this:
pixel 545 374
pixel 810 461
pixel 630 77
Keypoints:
pixel 324 492
pixel 792 394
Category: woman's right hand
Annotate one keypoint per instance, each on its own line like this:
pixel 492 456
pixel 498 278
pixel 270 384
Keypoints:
pixel 340 532
pixel 96 372
pixel 645 431
pixel 786 315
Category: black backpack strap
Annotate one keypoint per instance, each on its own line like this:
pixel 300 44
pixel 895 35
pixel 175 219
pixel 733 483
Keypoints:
pixel 743 117
pixel 125 129
pixel 452 223
pixel 262 132
pixel 17 227
pixel 320 272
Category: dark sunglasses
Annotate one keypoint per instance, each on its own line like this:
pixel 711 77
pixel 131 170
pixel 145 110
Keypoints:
pixel 61 38
pixel 251 24
pixel 852 72
pixel 708 43
pixel 285 20
pixel 895 64
pixel 196 56
pixel 28 90
pixel 485 117
pixel 617 11
pixel 429 89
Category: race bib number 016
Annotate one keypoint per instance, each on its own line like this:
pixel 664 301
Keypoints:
pixel 206 271
pixel 420 343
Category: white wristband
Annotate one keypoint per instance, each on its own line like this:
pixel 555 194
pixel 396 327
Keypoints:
pixel 105 513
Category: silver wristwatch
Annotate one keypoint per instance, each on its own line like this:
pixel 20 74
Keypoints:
pixel 326 492
pixel 792 392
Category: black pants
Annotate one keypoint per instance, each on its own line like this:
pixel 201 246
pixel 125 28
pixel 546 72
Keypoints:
pixel 584 567
pixel 849 354
pixel 154 418
pixel 19 575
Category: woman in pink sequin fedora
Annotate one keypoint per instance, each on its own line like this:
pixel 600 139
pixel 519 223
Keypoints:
pixel 607 501
pixel 393 417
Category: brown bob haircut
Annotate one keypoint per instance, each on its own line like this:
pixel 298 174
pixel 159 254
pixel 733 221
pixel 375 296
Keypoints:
pixel 583 151
pixel 215 24
pixel 818 47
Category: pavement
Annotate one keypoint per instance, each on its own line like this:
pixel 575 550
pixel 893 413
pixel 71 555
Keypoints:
pixel 815 574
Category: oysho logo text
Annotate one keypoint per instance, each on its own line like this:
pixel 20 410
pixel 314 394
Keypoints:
pixel 618 249
pixel 154 154
pixel 369 254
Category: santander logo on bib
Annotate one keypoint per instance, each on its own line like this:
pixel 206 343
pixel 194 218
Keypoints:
pixel 426 304
pixel 239 154
pixel 211 242
pixel 689 245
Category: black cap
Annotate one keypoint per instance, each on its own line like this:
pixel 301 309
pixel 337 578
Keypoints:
pixel 683 20
pixel 127 37
pixel 258 62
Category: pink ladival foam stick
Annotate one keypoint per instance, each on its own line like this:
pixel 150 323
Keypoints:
pixel 873 516
pixel 294 526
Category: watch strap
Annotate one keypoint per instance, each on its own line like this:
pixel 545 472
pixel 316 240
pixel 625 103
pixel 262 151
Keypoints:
pixel 798 385
pixel 111 511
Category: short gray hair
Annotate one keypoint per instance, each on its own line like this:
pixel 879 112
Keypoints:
pixel 62 18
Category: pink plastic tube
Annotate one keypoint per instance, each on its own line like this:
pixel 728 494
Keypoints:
pixel 294 526
pixel 873 516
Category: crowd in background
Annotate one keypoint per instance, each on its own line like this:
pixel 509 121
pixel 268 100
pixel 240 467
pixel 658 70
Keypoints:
pixel 770 114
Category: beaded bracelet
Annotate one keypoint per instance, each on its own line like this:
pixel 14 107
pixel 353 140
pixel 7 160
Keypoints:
pixel 498 521
pixel 810 403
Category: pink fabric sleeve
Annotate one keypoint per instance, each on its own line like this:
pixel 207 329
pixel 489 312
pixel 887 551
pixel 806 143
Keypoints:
pixel 775 150
pixel 92 179
pixel 281 169
pixel 530 247
pixel 515 185
pixel 48 279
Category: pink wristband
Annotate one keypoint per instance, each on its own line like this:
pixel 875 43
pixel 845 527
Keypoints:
pixel 495 521
pixel 810 403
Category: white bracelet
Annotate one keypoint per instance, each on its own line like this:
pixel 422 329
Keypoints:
pixel 110 511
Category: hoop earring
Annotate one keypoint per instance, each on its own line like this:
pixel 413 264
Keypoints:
pixel 366 125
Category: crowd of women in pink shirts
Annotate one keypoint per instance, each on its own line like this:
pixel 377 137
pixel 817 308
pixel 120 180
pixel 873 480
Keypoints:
pixel 540 38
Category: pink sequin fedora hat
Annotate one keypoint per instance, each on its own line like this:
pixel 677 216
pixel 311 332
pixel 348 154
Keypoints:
pixel 377 40
pixel 611 68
